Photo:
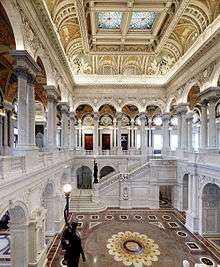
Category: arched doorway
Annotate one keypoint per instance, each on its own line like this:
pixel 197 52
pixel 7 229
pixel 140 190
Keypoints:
pixel 185 192
pixel 211 209
pixel 84 178
pixel 106 170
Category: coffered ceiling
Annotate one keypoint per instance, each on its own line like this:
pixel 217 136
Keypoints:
pixel 129 37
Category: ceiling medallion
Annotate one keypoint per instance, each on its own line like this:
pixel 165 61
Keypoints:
pixel 133 248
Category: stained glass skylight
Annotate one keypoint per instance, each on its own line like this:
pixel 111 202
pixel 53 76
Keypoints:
pixel 109 20
pixel 142 20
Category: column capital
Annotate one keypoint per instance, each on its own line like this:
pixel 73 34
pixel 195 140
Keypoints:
pixel 72 116
pixel 119 115
pixel 182 108
pixel 52 92
pixel 7 106
pixel 96 116
pixel 166 116
pixel 24 60
pixel 189 116
pixel 142 118
pixel 64 107
pixel 210 95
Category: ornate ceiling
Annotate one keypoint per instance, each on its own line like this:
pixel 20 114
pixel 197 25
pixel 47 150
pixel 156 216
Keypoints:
pixel 130 37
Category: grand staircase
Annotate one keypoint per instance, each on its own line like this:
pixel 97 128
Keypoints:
pixel 83 200
pixel 86 200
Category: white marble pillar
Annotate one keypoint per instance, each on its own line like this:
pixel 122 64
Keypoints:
pixel 80 134
pixel 132 133
pixel 190 193
pixel 115 133
pixel 31 111
pixel 96 133
pixel 32 242
pixel 64 108
pixel 8 128
pixel 212 128
pixel 22 77
pixel 52 95
pixel 189 119
pixel 182 126
pixel 19 245
pixel 72 131
pixel 142 133
pixel 119 117
pixel 166 134
pixel 203 127
pixel 25 68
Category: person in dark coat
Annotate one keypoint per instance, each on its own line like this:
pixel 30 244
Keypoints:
pixel 71 243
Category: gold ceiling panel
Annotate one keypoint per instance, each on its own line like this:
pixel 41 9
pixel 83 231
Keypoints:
pixel 130 37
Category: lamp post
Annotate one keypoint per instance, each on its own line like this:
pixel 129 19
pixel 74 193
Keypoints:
pixel 67 188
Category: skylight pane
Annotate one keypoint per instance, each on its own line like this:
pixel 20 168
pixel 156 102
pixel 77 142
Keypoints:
pixel 109 20
pixel 142 20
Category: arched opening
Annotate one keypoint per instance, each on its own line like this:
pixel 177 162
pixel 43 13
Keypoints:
pixel 155 134
pixel 8 84
pixel 107 115
pixel 211 209
pixel 106 170
pixel 40 105
pixel 185 191
pixel 84 115
pixel 84 178
pixel 48 204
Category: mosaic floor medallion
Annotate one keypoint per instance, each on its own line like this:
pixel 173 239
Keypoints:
pixel 152 217
pixel 166 217
pixel 109 217
pixel 137 217
pixel 181 234
pixel 207 261
pixel 192 246
pixel 133 248
pixel 80 217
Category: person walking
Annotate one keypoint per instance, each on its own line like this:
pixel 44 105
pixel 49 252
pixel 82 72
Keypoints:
pixel 71 243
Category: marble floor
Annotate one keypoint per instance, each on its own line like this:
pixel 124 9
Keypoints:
pixel 161 230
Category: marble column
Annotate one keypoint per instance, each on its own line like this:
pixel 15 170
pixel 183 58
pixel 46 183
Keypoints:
pixel 32 242
pixel 132 134
pixel 8 129
pixel 52 95
pixel 182 125
pixel 115 133
pixel 212 128
pixel 25 68
pixel 203 127
pixel 192 218
pixel 64 108
pixel 31 110
pixel 19 245
pixel 209 99
pixel 96 133
pixel 166 133
pixel 80 134
pixel 189 119
pixel 142 133
pixel 119 117
pixel 72 131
